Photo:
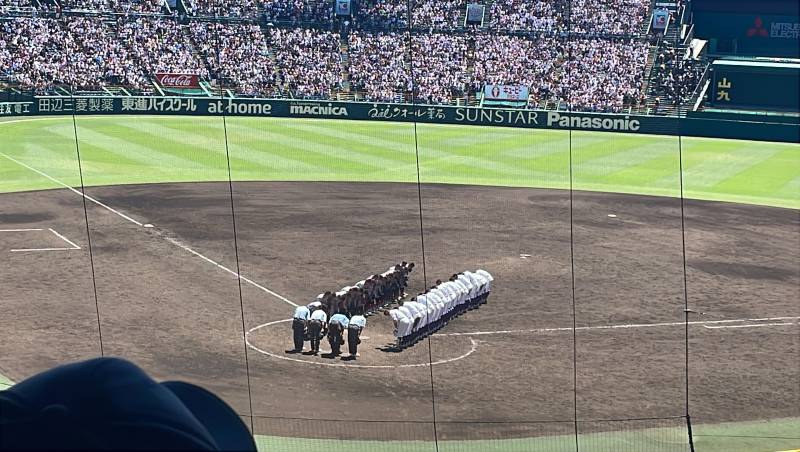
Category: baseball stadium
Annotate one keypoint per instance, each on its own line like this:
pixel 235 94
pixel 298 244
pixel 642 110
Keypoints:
pixel 600 200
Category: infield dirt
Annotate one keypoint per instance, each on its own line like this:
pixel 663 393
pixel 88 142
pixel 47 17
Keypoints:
pixel 179 316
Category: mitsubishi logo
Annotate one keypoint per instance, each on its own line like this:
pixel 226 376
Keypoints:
pixel 757 29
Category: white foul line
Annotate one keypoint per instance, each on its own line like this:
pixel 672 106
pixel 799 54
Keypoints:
pixel 72 189
pixel 472 350
pixel 630 325
pixel 222 267
pixel 74 246
pixel 173 241
pixel 758 325
pixel 22 250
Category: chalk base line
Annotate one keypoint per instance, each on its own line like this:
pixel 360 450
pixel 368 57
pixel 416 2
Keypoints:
pixel 150 226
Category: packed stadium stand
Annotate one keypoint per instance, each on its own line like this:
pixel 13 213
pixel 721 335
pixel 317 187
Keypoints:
pixel 579 54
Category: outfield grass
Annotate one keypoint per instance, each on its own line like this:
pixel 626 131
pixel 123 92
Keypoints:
pixel 117 150
pixel 756 436
pixel 5 382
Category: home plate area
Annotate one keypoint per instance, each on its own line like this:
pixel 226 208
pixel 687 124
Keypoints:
pixel 274 340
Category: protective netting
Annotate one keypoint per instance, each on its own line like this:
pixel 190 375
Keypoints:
pixel 196 173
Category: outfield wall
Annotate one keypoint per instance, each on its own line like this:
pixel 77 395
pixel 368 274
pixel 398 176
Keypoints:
pixel 696 126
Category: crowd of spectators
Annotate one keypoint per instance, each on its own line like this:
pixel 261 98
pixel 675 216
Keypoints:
pixel 512 60
pixel 585 16
pixel 514 15
pixel 85 5
pixel 619 17
pixel 439 62
pixel 160 46
pixel 601 74
pixel 118 6
pixel 594 74
pixel 379 65
pixel 29 56
pixel 78 53
pixel 225 8
pixel 7 4
pixel 675 76
pixel 137 6
pixel 389 14
pixel 308 62
pixel 298 11
pixel 98 56
pixel 438 15
pixel 237 55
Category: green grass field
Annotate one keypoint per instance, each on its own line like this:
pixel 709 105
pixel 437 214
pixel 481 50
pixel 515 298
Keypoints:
pixel 117 150
pixel 122 150
pixel 758 436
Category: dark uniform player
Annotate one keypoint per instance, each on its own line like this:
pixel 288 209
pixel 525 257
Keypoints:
pixel 357 324
pixel 299 323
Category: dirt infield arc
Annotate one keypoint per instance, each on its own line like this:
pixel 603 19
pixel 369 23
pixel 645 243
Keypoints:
pixel 264 338
pixel 169 299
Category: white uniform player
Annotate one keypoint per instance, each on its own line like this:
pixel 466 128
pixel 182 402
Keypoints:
pixel 456 291
pixel 488 277
pixel 401 323
pixel 410 315
pixel 481 282
pixel 436 300
pixel 422 312
pixel 463 294
pixel 467 281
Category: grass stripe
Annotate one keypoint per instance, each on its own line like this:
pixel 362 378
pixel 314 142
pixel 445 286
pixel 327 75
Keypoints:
pixel 216 150
pixel 770 174
pixel 163 149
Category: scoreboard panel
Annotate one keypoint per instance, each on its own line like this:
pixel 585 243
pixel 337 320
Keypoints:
pixel 755 85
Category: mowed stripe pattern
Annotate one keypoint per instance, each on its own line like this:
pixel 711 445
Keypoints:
pixel 118 150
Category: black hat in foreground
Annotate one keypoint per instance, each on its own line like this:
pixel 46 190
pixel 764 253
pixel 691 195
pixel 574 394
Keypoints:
pixel 111 404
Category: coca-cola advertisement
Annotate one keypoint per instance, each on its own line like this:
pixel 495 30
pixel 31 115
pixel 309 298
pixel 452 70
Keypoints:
pixel 168 80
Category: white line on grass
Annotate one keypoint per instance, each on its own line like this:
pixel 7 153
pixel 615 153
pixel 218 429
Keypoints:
pixel 78 192
pixel 170 240
pixel 630 325
pixel 18 230
pixel 74 246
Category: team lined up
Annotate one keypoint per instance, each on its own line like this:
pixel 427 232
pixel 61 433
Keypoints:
pixel 433 309
pixel 368 294
pixel 425 314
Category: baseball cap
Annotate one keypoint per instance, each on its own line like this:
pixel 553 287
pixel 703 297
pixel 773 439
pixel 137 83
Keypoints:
pixel 111 404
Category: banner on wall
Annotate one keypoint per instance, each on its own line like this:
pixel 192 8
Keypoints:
pixel 185 81
pixel 512 93
pixel 343 8
pixel 432 114
pixel 660 19
pixel 475 13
